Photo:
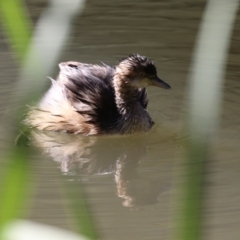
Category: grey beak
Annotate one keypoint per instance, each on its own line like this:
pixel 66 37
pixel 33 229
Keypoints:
pixel 156 81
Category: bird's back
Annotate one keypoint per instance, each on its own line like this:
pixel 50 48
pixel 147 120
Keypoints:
pixel 91 93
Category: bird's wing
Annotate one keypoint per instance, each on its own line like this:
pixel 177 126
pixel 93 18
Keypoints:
pixel 91 93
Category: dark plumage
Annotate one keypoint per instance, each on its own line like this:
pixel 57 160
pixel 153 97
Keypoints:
pixel 98 99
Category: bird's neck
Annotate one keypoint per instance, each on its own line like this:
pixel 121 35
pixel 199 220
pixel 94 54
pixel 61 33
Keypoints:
pixel 125 95
pixel 134 118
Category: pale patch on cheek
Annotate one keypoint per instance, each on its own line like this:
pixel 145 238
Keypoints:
pixel 146 82
pixel 141 83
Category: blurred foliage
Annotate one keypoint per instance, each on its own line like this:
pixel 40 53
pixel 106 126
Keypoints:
pixel 14 185
pixel 192 191
pixel 17 25
pixel 81 209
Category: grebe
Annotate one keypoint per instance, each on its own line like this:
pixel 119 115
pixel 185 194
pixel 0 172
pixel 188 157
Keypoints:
pixel 98 99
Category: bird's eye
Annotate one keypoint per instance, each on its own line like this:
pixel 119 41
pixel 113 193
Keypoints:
pixel 142 74
pixel 72 66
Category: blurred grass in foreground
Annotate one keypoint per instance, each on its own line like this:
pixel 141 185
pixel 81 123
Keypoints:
pixel 15 185
pixel 16 25
pixel 206 79
pixel 16 176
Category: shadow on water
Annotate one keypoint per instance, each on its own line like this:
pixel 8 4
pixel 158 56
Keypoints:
pixel 86 156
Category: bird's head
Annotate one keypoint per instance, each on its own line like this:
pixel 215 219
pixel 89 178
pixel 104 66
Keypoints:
pixel 140 72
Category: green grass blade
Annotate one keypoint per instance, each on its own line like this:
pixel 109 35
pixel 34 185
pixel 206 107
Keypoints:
pixel 16 24
pixel 80 207
pixel 14 185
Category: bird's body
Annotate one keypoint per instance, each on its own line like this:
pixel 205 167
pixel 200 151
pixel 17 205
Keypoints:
pixel 92 99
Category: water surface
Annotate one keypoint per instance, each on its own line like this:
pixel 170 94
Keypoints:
pixel 129 180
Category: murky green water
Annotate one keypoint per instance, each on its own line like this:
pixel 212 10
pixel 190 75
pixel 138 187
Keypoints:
pixel 128 180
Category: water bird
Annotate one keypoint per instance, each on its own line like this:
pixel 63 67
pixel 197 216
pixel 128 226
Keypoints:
pixel 95 99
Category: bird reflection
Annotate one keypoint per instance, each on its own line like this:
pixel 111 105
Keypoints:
pixel 117 155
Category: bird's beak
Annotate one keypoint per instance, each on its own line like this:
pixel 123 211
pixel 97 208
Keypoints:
pixel 156 81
